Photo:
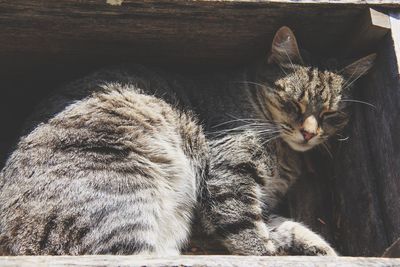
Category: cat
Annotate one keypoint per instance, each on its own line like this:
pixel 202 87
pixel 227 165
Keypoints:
pixel 119 161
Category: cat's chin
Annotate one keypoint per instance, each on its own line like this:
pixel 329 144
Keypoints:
pixel 299 147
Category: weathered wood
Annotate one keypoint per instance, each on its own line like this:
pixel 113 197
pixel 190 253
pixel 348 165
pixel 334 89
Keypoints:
pixel 395 24
pixel 192 31
pixel 368 32
pixel 195 261
pixel 383 126
pixel 383 3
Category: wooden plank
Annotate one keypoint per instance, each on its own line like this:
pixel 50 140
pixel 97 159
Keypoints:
pixel 368 32
pixel 191 31
pixel 386 3
pixel 382 126
pixel 395 24
pixel 210 261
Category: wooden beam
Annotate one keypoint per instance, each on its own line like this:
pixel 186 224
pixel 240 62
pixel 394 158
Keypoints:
pixel 368 32
pixel 226 261
pixel 204 31
pixel 381 3
pixel 395 24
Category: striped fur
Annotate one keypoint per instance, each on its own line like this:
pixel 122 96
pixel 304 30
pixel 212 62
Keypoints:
pixel 116 162
pixel 254 158
pixel 115 173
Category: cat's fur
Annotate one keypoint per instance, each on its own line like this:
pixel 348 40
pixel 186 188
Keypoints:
pixel 116 162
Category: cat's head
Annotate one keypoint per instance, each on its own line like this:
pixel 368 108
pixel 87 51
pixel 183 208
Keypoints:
pixel 308 102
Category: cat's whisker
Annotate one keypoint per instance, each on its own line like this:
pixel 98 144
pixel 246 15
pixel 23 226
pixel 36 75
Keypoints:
pixel 283 70
pixel 354 80
pixel 264 143
pixel 250 127
pixel 236 129
pixel 255 83
pixel 327 149
pixel 230 121
pixel 359 102
pixel 262 120
pixel 268 131
pixel 343 139
pixel 349 80
pixel 270 139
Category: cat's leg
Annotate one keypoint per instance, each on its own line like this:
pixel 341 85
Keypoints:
pixel 232 211
pixel 231 203
pixel 293 238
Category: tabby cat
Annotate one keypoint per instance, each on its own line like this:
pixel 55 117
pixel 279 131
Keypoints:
pixel 118 162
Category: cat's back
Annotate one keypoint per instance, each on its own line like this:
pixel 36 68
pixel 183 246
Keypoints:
pixel 107 166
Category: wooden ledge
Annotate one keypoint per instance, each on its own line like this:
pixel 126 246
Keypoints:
pixel 194 261
pixel 197 32
pixel 384 3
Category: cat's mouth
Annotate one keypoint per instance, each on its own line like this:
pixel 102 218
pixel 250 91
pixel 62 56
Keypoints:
pixel 300 140
pixel 299 146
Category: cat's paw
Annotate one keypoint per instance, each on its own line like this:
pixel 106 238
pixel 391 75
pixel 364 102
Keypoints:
pixel 269 248
pixel 308 243
pixel 251 242
pixel 293 238
pixel 307 249
pixel 314 250
pixel 254 247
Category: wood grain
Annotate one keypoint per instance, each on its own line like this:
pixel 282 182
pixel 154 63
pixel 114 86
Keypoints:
pixel 385 3
pixel 395 24
pixel 210 261
pixel 368 32
pixel 196 32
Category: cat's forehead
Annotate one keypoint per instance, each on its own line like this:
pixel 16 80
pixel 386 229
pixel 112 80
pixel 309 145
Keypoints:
pixel 310 84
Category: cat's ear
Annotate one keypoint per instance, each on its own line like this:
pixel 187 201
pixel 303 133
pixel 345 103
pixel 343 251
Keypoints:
pixel 358 68
pixel 284 50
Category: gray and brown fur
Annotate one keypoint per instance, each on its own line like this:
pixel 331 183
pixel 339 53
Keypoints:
pixel 116 163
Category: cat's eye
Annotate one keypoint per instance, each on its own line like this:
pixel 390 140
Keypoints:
pixel 328 114
pixel 333 117
pixel 292 107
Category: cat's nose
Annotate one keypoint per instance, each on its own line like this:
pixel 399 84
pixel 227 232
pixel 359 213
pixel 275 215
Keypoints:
pixel 307 135
pixel 309 128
